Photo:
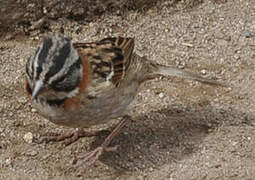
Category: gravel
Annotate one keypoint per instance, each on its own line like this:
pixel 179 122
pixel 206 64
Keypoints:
pixel 180 129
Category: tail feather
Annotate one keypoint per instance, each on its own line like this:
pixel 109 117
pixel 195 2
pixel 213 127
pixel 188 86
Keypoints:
pixel 173 71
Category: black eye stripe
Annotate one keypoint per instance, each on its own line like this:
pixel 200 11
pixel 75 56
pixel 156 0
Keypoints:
pixel 47 44
pixel 56 84
pixel 59 80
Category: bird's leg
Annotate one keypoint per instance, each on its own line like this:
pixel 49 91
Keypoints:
pixel 69 138
pixel 92 156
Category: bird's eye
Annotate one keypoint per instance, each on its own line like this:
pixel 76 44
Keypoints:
pixel 70 80
pixel 66 84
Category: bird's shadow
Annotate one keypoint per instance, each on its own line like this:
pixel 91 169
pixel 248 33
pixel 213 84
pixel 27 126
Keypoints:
pixel 167 135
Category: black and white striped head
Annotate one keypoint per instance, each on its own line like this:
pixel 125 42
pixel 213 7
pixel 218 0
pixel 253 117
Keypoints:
pixel 55 69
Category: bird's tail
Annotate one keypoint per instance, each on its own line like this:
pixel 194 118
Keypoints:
pixel 173 71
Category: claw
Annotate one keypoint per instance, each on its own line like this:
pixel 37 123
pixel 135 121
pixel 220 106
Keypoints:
pixel 91 157
pixel 69 138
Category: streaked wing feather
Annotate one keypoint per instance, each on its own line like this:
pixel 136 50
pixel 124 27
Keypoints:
pixel 109 58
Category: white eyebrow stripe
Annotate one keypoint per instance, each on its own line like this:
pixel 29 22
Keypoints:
pixel 71 59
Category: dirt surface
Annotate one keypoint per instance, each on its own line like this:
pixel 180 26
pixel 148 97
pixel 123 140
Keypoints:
pixel 180 129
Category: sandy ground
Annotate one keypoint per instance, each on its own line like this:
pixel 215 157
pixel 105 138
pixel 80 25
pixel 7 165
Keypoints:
pixel 193 131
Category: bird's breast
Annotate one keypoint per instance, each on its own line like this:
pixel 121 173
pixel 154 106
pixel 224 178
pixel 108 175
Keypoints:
pixel 92 110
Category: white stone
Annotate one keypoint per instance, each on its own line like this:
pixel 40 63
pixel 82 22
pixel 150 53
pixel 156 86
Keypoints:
pixel 28 137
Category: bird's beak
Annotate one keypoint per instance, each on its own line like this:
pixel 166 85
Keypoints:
pixel 37 89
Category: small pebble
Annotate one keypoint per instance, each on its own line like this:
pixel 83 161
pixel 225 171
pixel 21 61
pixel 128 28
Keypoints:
pixel 234 143
pixel 203 71
pixel 247 34
pixel 237 57
pixel 187 44
pixel 22 100
pixel 33 110
pixel 161 95
pixel 150 169
pixel 45 10
pixel 78 29
pixel 8 161
pixel 28 137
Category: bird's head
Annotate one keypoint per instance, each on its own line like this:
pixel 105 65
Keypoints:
pixel 54 70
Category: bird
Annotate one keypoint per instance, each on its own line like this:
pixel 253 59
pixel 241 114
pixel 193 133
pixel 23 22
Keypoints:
pixel 84 84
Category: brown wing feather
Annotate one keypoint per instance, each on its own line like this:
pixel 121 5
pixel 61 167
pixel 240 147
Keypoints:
pixel 109 58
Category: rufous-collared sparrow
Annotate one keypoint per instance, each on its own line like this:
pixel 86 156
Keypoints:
pixel 84 84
